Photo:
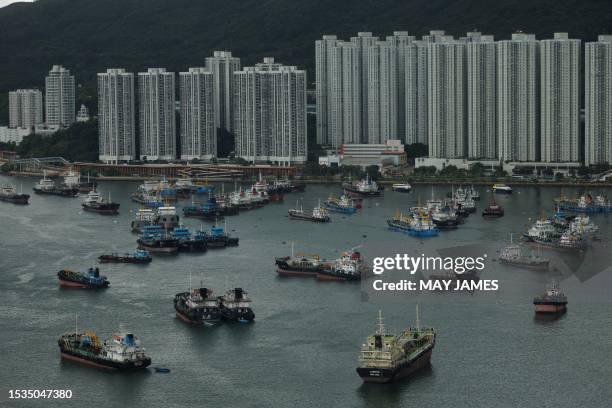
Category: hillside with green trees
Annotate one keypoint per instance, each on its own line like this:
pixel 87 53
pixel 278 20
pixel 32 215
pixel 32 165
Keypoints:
pixel 88 36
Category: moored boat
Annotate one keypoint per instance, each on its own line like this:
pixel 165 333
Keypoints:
pixel 47 186
pixel 348 267
pixel 318 214
pixel 515 255
pixel 236 306
pixel 198 306
pixel 552 301
pixel 300 264
pixel 157 240
pixel 95 203
pixel 341 205
pixel 144 216
pixel 401 187
pixel 9 194
pixel 365 188
pixel 493 210
pixel 91 279
pixel 137 257
pixel 501 189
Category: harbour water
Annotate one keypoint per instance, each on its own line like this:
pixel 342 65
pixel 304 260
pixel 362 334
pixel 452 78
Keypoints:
pixel 302 349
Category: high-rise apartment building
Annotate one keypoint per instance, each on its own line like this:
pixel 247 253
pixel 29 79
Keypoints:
pixel 222 65
pixel 59 97
pixel 198 132
pixel 25 108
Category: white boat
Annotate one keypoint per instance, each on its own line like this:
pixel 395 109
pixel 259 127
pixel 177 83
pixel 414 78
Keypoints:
pixel 401 187
pixel 502 189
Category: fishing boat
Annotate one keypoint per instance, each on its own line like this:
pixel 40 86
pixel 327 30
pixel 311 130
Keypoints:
pixel 89 280
pixel 95 203
pixel 573 240
pixel 236 306
pixel 318 214
pixel 147 199
pixel 341 205
pixel 348 267
pixel 364 188
pixel 137 257
pixel 473 193
pixel 209 210
pixel 493 210
pixel 542 232
pixel 9 194
pixel 501 189
pixel 401 187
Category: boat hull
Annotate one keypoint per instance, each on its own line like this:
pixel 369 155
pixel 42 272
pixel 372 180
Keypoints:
pixel 549 308
pixel 16 199
pixel 292 272
pixel 381 376
pixel 105 364
pixel 106 210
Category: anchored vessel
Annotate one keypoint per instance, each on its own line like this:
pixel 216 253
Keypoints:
pixel 502 189
pixel 122 351
pixel 47 186
pixel 188 242
pixel 144 217
pixel 399 222
pixel 366 188
pixel 319 214
pixel 493 210
pixel 95 203
pixel 155 239
pixel 421 225
pixel 198 306
pixel 218 238
pixel 138 257
pixel 551 301
pixel 10 194
pixel 236 306
pixel 342 205
pixel 387 357
pixel 299 265
pixel 348 267
pixel 515 255
pixel 401 187
pixel 91 279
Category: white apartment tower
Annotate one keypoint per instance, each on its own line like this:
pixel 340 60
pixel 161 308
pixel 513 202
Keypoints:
pixel 270 113
pixel 447 103
pixel 25 108
pixel 381 91
pixel 157 114
pixel 198 132
pixel 518 104
pixel 399 41
pixel 116 116
pixel 560 99
pixel 223 65
pixel 364 42
pixel 598 101
pixel 59 97
pixel 323 49
pixel 481 96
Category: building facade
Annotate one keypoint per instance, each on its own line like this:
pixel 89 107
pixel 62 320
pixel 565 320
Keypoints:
pixel 198 132
pixel 59 97
pixel 222 65
pixel 25 108
pixel 116 116
pixel 598 101
pixel 270 113
pixel 157 114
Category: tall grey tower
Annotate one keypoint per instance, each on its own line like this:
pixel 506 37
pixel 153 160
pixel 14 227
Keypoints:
pixel 560 99
pixel 157 113
pixel 323 50
pixel 116 116
pixel 223 65
pixel 25 108
pixel 198 133
pixel 59 97
pixel 363 42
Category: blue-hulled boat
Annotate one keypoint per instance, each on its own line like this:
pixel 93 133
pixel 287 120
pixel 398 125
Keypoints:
pixel 341 205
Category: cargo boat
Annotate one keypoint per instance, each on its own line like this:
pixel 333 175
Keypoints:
pixel 342 205
pixel 300 264
pixel 445 218
pixel 218 238
pixel 137 257
pixel 9 193
pixel 235 306
pixel 208 210
pixel 364 188
pixel 387 357
pixel 95 203
pixel 515 255
pixel 318 214
pixel 167 217
pixel 422 225
pixel 198 306
pixel 551 301
pixel 90 280
pixel 122 351
pixel 348 267
pixel 399 222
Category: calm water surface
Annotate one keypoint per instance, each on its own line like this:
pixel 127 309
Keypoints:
pixel 303 348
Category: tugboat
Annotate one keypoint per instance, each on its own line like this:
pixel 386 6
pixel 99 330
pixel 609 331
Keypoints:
pixel 493 210
pixel 552 301
pixel 401 187
pixel 319 214
pixel 300 264
pixel 156 240
pixel 47 186
pixel 138 257
pixel 121 352
pixel 386 357
pixel 363 188
pixel 236 306
pixel 92 279
pixel 501 189
pixel 515 255
pixel 346 268
pixel 9 193
pixel 144 217
pixel 95 203
pixel 341 205
pixel 198 306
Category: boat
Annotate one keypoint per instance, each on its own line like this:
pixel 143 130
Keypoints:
pixel 501 189
pixel 364 188
pixel 95 203
pixel 387 357
pixel 87 186
pixel 583 223
pixel 348 267
pixel 47 186
pixel 341 205
pixel 515 255
pixel 493 210
pixel 167 217
pixel 445 218
pixel 236 306
pixel 318 214
pixel 144 216
pixel 91 279
pixel 147 199
pixel 162 370
pixel 401 187
pixel 421 225
pixel 137 257
pixel 473 193
pixel 157 240
pixel 246 200
pixel 552 301
pixel 122 351
pixel 218 238
pixel 184 186
pixel 198 306
pixel 187 242
pixel 300 264
pixel 572 239
pixel 209 210
pixel 542 232
pixel 399 222
pixel 288 186
pixel 9 193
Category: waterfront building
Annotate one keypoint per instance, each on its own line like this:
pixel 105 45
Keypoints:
pixel 323 72
pixel 222 65
pixel 198 132
pixel 25 108
pixel 560 99
pixel 157 114
pixel 270 113
pixel 481 54
pixel 116 116
pixel 59 97
pixel 598 101
pixel 518 98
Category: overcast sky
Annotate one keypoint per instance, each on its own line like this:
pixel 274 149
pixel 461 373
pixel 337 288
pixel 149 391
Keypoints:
pixel 7 2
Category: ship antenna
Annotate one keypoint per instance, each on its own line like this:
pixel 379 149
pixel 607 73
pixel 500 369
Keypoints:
pixel 76 324
pixel 510 238
pixel 292 249
pixel 418 323
pixel 189 281
pixel 381 326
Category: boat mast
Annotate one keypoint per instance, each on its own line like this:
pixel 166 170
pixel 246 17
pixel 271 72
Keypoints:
pixel 418 322
pixel 381 326
pixel 292 249
pixel 76 324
